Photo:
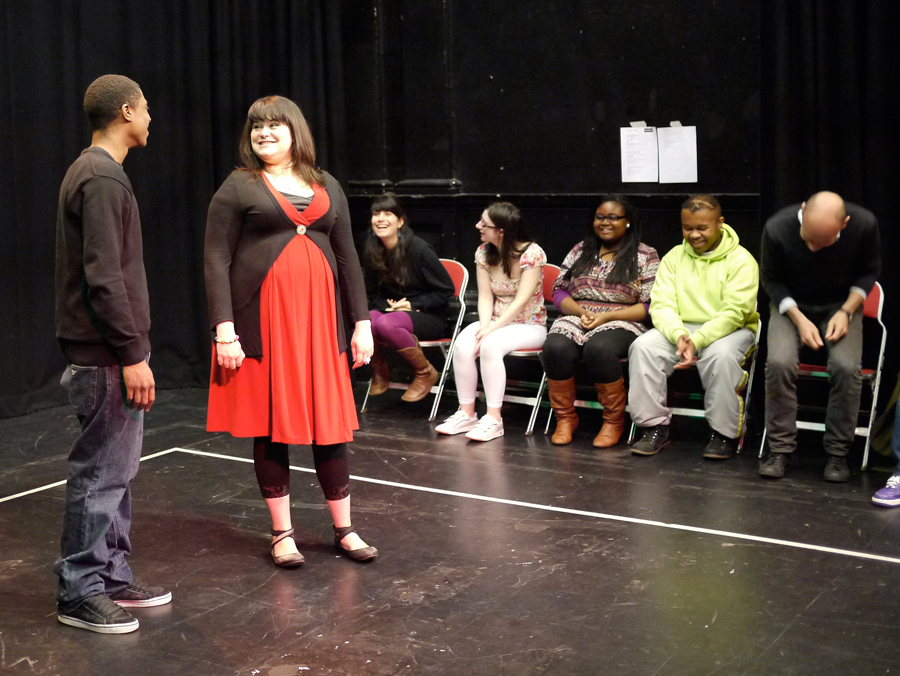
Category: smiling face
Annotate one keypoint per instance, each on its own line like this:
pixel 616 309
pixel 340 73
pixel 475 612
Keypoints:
pixel 490 233
pixel 272 142
pixel 386 225
pixel 139 117
pixel 702 229
pixel 610 223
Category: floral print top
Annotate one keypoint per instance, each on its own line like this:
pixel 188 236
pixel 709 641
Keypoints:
pixel 595 293
pixel 505 290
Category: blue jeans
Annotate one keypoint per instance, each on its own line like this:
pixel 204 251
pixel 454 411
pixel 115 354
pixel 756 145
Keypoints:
pixel 103 461
pixel 895 439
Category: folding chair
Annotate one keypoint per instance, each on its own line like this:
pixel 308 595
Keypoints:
pixel 551 272
pixel 751 354
pixel 460 277
pixel 872 309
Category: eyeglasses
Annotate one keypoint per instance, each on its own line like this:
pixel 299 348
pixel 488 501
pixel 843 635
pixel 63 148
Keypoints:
pixel 482 224
pixel 609 218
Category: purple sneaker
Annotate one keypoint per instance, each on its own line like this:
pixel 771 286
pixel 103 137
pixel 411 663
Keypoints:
pixel 889 496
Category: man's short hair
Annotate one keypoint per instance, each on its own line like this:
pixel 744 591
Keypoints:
pixel 105 97
pixel 696 203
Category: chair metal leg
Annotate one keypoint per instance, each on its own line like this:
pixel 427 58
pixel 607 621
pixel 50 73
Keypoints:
pixel 549 418
pixel 762 443
pixel 441 383
pixel 537 406
pixel 366 400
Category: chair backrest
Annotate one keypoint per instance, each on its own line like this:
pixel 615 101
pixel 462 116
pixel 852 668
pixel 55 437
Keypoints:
pixel 458 274
pixel 551 273
pixel 874 302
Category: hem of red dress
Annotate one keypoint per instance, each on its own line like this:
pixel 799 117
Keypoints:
pixel 295 441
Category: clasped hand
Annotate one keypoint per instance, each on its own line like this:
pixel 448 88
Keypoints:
pixel 591 320
pixel 401 305
pixel 685 350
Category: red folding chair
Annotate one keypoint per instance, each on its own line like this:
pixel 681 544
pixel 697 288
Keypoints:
pixel 460 277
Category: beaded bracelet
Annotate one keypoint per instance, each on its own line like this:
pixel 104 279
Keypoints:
pixel 226 342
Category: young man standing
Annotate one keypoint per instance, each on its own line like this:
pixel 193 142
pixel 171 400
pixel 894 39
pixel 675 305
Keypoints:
pixel 102 324
pixel 703 304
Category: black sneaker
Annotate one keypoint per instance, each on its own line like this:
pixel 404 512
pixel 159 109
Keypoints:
pixel 836 469
pixel 98 613
pixel 774 466
pixel 140 595
pixel 652 441
pixel 720 447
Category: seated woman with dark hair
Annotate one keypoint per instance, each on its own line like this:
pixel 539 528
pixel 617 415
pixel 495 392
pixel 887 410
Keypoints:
pixel 409 293
pixel 603 291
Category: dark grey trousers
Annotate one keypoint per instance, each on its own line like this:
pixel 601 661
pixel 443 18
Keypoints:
pixel 845 381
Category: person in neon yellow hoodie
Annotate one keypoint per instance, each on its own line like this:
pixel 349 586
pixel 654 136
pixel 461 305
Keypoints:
pixel 703 305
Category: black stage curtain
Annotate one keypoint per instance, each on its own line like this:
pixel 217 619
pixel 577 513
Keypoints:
pixel 829 105
pixel 200 64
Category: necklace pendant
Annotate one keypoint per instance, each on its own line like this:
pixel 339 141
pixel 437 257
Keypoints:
pixel 301 229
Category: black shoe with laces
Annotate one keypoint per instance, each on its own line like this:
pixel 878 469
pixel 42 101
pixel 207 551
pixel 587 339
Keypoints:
pixel 141 595
pixel 100 614
pixel 774 466
pixel 652 441
pixel 836 469
pixel 720 447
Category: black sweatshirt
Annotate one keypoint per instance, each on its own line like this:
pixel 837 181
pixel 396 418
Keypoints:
pixel 821 278
pixel 102 304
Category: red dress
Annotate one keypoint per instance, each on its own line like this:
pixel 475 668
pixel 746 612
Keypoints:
pixel 299 391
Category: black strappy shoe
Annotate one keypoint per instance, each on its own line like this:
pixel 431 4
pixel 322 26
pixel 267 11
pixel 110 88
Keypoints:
pixel 362 554
pixel 286 560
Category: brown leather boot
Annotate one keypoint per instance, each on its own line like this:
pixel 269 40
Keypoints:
pixel 612 396
pixel 562 399
pixel 381 374
pixel 426 375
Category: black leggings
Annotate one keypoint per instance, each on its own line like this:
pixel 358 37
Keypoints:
pixel 602 354
pixel 270 460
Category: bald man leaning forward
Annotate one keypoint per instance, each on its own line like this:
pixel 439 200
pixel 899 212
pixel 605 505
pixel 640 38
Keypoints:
pixel 819 261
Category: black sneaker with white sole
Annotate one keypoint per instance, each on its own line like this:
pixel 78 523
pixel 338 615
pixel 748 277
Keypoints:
pixel 99 614
pixel 141 595
pixel 652 440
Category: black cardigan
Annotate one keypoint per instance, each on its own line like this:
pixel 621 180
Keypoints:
pixel 429 289
pixel 246 230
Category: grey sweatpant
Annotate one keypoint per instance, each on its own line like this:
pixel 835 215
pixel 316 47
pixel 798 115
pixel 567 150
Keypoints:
pixel 651 360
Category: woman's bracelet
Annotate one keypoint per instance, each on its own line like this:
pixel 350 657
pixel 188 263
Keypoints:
pixel 849 314
pixel 226 342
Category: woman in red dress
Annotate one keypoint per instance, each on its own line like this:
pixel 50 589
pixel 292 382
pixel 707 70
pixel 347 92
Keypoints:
pixel 281 271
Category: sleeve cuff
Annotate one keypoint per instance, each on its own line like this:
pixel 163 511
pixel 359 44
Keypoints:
pixel 786 305
pixel 861 292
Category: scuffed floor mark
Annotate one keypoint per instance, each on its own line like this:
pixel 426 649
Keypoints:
pixel 438 583
pixel 533 575
pixel 531 662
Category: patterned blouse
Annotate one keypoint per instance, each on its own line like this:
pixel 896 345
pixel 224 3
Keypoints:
pixel 505 291
pixel 593 292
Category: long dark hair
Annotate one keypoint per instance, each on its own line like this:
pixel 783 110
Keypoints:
pixel 508 218
pixel 625 267
pixel 303 151
pixel 388 267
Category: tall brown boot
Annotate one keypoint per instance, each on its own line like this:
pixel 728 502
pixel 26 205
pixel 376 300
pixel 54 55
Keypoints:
pixel 426 375
pixel 612 396
pixel 562 399
pixel 381 374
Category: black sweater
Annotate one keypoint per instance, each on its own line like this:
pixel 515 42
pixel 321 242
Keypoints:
pixel 821 278
pixel 429 289
pixel 102 305
pixel 246 230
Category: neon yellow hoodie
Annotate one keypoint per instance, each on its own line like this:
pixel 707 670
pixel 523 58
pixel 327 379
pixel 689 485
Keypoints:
pixel 717 290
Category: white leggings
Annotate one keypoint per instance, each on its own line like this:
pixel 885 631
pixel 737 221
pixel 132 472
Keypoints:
pixel 493 348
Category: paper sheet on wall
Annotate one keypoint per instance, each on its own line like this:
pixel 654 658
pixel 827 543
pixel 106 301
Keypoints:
pixel 640 155
pixel 677 154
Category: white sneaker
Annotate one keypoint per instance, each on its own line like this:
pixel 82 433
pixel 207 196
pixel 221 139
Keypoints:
pixel 456 423
pixel 486 429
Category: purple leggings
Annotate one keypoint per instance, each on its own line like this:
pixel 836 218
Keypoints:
pixel 393 330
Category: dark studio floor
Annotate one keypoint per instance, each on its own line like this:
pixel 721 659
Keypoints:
pixel 513 557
